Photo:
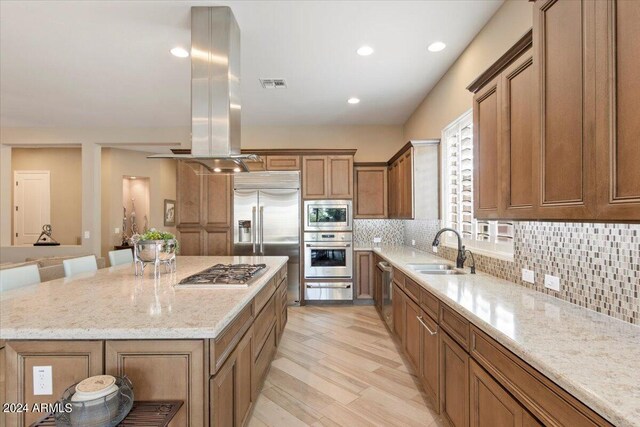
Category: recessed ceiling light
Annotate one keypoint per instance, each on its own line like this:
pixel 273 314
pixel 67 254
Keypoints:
pixel 353 100
pixel 217 170
pixel 365 51
pixel 436 46
pixel 179 52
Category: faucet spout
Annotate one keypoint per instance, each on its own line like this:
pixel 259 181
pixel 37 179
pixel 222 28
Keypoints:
pixel 460 259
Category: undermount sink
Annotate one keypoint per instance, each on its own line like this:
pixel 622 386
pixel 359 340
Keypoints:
pixel 435 269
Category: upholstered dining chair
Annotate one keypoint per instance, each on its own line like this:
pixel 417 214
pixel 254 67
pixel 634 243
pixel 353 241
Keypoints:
pixel 83 264
pixel 12 278
pixel 121 256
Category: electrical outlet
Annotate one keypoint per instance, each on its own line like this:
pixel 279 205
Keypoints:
pixel 377 239
pixel 116 230
pixel 42 381
pixel 87 234
pixel 413 243
pixel 528 276
pixel 552 282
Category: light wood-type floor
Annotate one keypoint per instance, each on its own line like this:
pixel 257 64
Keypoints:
pixel 338 366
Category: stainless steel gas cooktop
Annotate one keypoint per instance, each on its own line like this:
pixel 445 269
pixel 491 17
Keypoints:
pixel 224 276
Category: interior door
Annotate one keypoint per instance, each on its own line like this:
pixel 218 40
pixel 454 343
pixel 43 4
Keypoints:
pixel 32 201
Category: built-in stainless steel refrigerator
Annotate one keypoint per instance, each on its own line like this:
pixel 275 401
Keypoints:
pixel 266 208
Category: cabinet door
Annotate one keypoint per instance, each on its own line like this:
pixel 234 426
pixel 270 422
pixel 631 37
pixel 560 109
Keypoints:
pixel 412 333
pixel 377 288
pixel 364 273
pixel 371 192
pixel 191 241
pixel 407 185
pixel 283 163
pixel 563 35
pixel 491 405
pixel 392 190
pixel 430 358
pixel 454 382
pixel 188 196
pixel 314 177
pixel 218 191
pixel 340 174
pixel 163 370
pixel 70 361
pixel 218 242
pixel 230 388
pixel 618 131
pixel 519 189
pixel 398 312
pixel 486 143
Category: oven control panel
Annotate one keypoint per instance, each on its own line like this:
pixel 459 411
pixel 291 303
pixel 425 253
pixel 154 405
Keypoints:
pixel 328 236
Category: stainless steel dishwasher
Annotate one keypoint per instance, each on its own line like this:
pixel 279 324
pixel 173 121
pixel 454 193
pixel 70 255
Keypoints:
pixel 387 292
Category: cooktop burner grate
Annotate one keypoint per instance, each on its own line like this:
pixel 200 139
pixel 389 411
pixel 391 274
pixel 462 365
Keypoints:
pixel 225 274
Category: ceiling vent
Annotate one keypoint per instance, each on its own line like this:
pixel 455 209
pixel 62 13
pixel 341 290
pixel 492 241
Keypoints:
pixel 273 83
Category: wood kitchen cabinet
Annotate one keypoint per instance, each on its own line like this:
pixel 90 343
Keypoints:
pixel 230 389
pixel 429 367
pixel 398 307
pixel 400 190
pixel 377 284
pixel 327 177
pixel 371 191
pixel 163 370
pixel 282 163
pixel 70 361
pixel 454 382
pixel 204 205
pixel 617 105
pixel 364 275
pixel 412 332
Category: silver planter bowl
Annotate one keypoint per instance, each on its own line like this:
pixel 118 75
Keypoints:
pixel 149 251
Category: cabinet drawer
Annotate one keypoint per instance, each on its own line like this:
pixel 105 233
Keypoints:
pixel 283 163
pixel 456 325
pixel 546 401
pixel 221 347
pixel 398 277
pixel 429 303
pixel 263 296
pixel 263 361
pixel 264 321
pixel 412 289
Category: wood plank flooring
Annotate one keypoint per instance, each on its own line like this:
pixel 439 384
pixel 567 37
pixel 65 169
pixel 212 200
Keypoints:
pixel 338 366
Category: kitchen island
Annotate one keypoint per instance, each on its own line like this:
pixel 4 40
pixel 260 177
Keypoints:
pixel 210 348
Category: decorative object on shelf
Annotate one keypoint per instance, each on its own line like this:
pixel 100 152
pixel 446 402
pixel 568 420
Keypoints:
pixel 132 218
pixel 124 237
pixel 169 213
pixel 155 247
pixel 45 238
pixel 101 400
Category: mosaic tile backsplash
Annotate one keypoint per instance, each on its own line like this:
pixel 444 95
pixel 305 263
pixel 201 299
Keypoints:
pixel 391 231
pixel 598 264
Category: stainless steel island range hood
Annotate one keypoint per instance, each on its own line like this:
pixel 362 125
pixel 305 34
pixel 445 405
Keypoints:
pixel 215 93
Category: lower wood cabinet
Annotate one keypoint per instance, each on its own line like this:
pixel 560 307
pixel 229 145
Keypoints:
pixel 163 370
pixel 70 361
pixel 429 371
pixel 454 382
pixel 364 275
pixel 412 332
pixel 377 284
pixel 231 396
pixel 491 405
pixel 398 307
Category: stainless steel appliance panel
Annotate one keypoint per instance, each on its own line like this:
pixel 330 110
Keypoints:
pixel 328 215
pixel 328 291
pixel 328 255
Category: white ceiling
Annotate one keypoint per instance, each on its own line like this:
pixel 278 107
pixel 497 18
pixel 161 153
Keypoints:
pixel 107 63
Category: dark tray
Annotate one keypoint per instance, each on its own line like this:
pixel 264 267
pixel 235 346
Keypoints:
pixel 143 413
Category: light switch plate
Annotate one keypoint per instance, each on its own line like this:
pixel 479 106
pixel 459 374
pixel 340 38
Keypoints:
pixel 87 234
pixel 377 239
pixel 413 243
pixel 116 230
pixel 42 381
pixel 528 276
pixel 552 282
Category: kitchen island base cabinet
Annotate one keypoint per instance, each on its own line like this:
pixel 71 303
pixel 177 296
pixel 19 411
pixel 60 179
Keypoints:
pixel 454 382
pixel 230 390
pixel 70 362
pixel 163 370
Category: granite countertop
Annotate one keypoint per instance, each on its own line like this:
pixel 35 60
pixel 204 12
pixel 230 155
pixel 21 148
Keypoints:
pixel 112 303
pixel 592 356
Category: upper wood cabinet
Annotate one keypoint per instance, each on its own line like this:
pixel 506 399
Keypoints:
pixel 282 163
pixel 371 185
pixel 401 197
pixel 563 35
pixel 617 106
pixel 327 177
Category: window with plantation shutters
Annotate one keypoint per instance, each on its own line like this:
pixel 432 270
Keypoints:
pixel 495 238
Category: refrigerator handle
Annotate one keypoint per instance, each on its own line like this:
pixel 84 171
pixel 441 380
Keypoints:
pixel 254 225
pixel 261 230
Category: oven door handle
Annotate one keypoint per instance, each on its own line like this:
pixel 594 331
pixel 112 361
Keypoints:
pixel 310 245
pixel 328 286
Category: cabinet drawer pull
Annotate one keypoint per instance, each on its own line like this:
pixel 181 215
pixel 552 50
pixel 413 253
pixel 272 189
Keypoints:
pixel 425 325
